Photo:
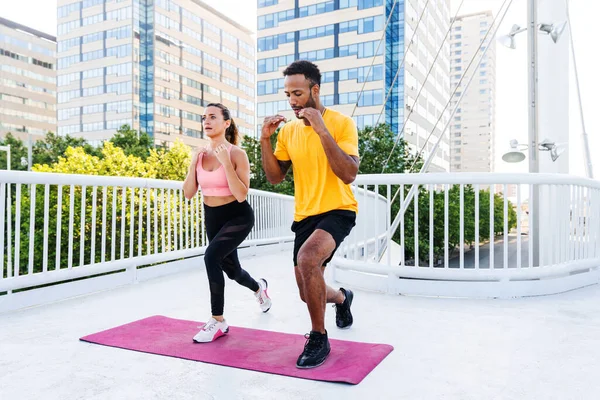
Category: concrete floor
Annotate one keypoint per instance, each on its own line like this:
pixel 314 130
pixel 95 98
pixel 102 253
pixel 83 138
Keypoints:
pixel 533 348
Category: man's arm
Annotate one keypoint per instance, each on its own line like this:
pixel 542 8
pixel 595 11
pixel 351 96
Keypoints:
pixel 344 166
pixel 275 169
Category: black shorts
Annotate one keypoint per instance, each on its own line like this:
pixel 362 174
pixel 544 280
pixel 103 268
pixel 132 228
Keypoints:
pixel 338 223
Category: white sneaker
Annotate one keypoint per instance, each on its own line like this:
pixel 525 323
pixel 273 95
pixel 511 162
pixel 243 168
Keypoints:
pixel 262 297
pixel 211 331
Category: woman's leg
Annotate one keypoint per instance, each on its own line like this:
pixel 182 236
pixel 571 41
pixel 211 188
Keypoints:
pixel 216 282
pixel 226 242
pixel 233 269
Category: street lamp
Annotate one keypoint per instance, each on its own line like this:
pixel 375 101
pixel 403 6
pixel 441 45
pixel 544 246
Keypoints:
pixel 516 154
pixel 508 40
pixel 553 30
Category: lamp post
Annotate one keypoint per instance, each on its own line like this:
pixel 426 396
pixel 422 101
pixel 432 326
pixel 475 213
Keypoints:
pixel 554 31
pixel 532 86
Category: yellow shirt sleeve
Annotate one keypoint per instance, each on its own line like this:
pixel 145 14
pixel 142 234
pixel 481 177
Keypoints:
pixel 281 152
pixel 348 138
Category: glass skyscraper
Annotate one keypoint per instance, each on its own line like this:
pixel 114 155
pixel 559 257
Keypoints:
pixel 152 64
pixel 343 37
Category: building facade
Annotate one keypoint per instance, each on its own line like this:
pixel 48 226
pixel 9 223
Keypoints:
pixel 151 64
pixel 27 81
pixel 472 132
pixel 361 61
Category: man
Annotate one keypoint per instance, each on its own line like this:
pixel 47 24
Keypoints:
pixel 322 147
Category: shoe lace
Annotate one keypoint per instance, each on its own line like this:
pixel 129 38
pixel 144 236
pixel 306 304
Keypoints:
pixel 259 297
pixel 341 310
pixel 210 326
pixel 312 345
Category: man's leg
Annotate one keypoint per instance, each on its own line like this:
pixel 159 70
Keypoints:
pixel 333 295
pixel 309 277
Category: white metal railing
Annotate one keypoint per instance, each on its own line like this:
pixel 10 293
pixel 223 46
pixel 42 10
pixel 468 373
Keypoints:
pixel 58 227
pixel 468 231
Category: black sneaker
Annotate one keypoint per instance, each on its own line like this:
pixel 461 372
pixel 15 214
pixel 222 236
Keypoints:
pixel 343 316
pixel 315 351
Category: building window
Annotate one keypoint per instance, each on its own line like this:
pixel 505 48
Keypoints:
pixel 267 3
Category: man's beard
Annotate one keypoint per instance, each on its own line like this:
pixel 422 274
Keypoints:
pixel 310 103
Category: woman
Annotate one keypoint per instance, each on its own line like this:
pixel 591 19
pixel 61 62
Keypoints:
pixel 222 171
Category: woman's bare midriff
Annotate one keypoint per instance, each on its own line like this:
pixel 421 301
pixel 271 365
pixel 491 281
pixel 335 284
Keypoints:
pixel 216 201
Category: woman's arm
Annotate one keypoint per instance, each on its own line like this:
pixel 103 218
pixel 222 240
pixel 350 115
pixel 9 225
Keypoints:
pixel 190 184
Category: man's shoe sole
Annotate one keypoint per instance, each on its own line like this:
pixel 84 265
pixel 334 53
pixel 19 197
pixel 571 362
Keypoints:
pixel 314 366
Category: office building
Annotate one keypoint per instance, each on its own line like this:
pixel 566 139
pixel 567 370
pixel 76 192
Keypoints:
pixel 472 131
pixel 361 61
pixel 27 81
pixel 151 64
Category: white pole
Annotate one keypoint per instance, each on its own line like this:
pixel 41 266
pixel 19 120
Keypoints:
pixel 532 45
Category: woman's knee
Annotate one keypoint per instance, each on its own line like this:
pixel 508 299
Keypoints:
pixel 233 273
pixel 211 258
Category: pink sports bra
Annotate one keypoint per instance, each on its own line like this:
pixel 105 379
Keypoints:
pixel 212 183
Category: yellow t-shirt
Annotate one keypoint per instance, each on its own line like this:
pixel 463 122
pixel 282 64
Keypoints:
pixel 317 188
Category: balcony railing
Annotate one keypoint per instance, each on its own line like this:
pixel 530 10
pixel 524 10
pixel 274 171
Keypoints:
pixel 460 235
pixel 60 228
pixel 464 235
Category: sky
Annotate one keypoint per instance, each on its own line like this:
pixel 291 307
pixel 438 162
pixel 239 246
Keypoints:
pixel 511 68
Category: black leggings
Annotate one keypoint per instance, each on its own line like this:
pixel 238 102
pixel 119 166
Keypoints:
pixel 226 227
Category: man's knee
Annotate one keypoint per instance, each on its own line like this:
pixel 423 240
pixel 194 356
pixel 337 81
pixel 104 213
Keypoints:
pixel 309 259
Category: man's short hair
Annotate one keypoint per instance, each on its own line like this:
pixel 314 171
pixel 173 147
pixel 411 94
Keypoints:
pixel 306 68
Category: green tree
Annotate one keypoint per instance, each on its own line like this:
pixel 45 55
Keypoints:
pixel 44 151
pixel 112 161
pixel 375 146
pixel 170 163
pixel 18 150
pixel 133 142
pixel 48 150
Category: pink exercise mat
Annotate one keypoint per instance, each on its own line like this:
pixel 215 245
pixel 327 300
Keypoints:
pixel 252 349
